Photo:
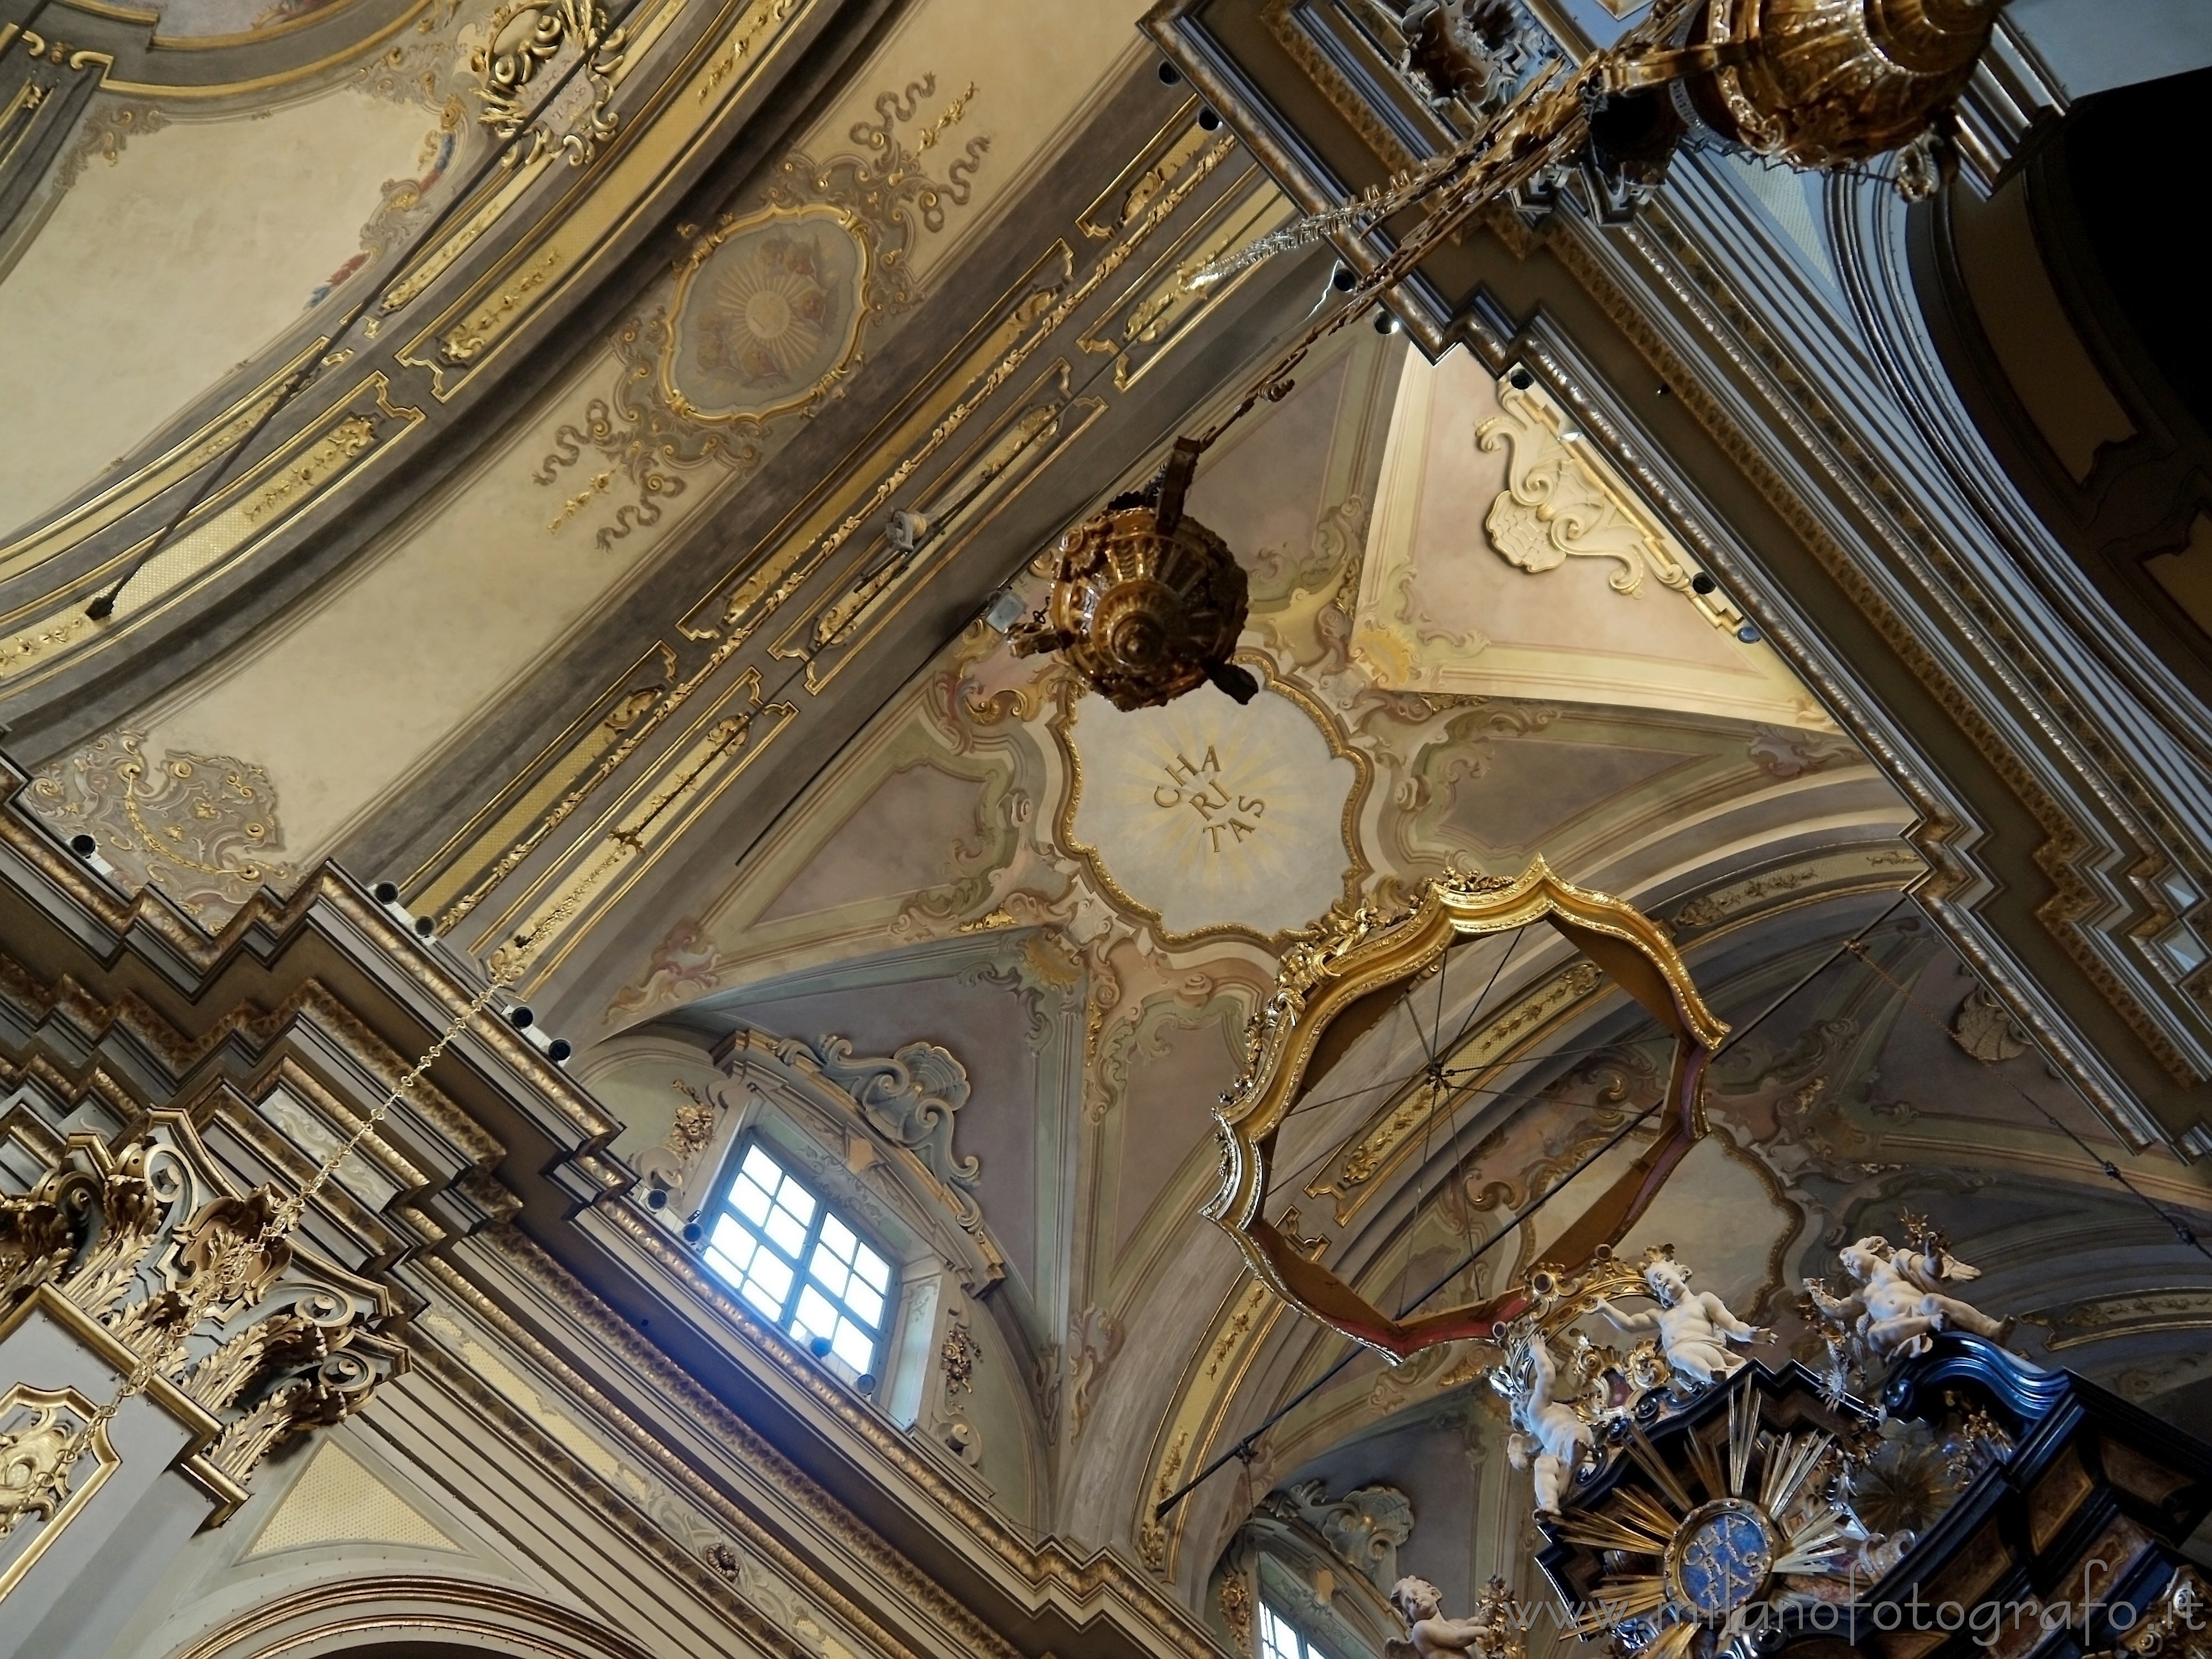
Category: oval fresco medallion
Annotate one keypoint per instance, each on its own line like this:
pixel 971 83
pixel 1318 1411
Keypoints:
pixel 1212 818
pixel 767 315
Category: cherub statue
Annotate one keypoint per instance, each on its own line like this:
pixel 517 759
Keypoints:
pixel 1694 1327
pixel 1550 1436
pixel 1899 1302
pixel 1420 1604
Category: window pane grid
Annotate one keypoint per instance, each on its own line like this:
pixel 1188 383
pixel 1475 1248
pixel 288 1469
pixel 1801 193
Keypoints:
pixel 800 1267
pixel 1281 1639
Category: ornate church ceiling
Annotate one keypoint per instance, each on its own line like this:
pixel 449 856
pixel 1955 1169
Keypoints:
pixel 612 549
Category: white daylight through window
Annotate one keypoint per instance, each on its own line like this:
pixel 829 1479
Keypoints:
pixel 1280 1640
pixel 798 1264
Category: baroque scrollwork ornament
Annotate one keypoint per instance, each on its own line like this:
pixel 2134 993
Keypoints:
pixel 202 828
pixel 196 1292
pixel 525 36
pixel 33 1476
pixel 768 316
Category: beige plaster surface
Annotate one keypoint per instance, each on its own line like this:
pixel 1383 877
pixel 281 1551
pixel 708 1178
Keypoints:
pixel 362 684
pixel 1441 608
pixel 157 275
pixel 1035 67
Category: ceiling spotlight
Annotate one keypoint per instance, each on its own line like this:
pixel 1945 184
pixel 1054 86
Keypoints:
pixel 1385 322
pixel 88 848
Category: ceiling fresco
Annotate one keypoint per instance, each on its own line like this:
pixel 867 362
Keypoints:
pixel 944 881
pixel 616 581
pixel 1084 907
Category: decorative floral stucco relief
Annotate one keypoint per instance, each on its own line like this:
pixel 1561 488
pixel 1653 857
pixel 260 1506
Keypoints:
pixel 769 314
pixel 202 828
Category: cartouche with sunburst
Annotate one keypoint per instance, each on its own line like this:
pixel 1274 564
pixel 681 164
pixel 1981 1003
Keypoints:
pixel 1729 1516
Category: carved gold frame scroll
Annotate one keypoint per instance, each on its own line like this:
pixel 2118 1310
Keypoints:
pixel 1340 980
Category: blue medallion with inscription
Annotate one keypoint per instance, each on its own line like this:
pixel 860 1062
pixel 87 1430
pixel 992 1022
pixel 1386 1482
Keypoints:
pixel 1725 1561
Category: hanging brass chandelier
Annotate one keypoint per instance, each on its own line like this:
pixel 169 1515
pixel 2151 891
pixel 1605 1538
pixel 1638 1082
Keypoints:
pixel 1814 84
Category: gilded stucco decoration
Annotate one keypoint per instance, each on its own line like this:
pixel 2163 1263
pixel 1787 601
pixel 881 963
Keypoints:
pixel 525 36
pixel 1559 503
pixel 766 315
pixel 439 65
pixel 769 315
pixel 202 828
pixel 150 1257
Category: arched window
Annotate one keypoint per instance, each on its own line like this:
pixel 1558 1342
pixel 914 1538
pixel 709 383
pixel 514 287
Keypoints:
pixel 799 1264
pixel 1281 1639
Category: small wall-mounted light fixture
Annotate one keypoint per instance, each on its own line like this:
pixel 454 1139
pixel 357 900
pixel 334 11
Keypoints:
pixel 88 848
pixel 524 1020
pixel 386 894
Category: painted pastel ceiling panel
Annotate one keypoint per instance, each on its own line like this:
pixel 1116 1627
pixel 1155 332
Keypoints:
pixel 1212 816
pixel 1639 743
pixel 226 249
pixel 1507 558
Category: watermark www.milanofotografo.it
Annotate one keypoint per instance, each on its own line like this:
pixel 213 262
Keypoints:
pixel 1987 1621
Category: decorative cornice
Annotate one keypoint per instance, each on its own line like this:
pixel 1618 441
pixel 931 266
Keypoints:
pixel 1045 1570
pixel 368 1607
pixel 1943 836
pixel 149 928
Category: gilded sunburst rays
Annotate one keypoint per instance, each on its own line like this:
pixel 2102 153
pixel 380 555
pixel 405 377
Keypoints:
pixel 1785 1530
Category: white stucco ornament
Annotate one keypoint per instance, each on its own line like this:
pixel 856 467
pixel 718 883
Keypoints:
pixel 1695 1327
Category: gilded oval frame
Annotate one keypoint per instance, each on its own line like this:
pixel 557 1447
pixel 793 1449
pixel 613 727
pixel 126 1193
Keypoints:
pixel 1342 976
pixel 848 354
